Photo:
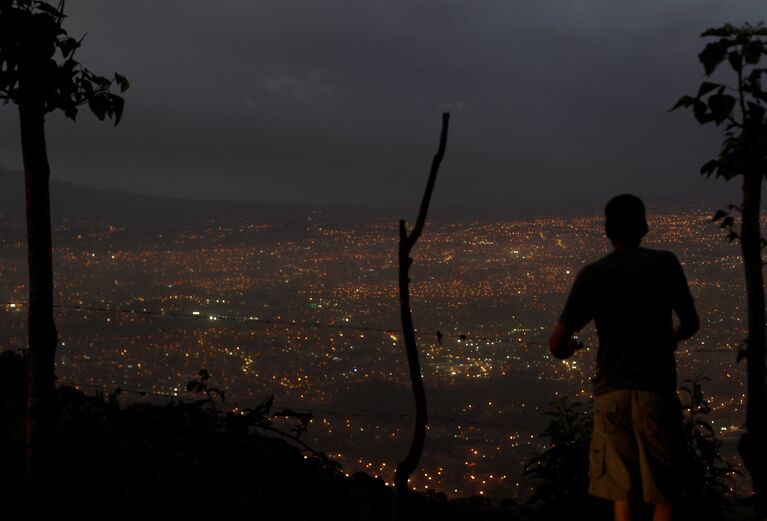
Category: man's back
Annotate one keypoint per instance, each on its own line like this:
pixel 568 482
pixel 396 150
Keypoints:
pixel 630 294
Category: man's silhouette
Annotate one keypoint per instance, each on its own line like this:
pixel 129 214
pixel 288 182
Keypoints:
pixel 630 294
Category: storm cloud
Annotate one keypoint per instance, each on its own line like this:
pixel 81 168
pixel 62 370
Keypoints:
pixel 333 102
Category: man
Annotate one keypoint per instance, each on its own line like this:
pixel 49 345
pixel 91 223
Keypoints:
pixel 630 294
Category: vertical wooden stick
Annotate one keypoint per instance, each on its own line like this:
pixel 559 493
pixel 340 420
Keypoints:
pixel 406 242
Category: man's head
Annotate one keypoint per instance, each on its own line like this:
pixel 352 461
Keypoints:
pixel 625 222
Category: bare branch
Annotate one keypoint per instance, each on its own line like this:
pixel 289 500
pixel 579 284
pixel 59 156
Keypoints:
pixel 418 228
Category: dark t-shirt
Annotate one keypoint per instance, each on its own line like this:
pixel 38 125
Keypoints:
pixel 630 296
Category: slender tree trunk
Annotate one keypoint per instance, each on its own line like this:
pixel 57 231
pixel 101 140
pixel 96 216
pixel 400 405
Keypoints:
pixel 752 445
pixel 406 242
pixel 42 336
pixel 406 467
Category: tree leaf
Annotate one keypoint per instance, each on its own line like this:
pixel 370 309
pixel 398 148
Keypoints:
pixel 755 74
pixel 70 111
pixel 721 106
pixel 98 106
pixel 755 111
pixel 684 101
pixel 752 51
pixel 718 215
pixel 723 31
pixel 122 82
pixel 118 104
pixel 68 46
pixel 707 169
pixel 736 60
pixel 49 9
pixel 701 112
pixel 707 87
pixel 713 54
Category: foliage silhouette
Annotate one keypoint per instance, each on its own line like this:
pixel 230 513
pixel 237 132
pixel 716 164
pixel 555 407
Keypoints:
pixel 741 108
pixel 708 478
pixel 181 459
pixel 39 74
pixel 260 418
pixel 561 470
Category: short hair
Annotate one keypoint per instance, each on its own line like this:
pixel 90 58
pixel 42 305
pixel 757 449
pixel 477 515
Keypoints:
pixel 625 219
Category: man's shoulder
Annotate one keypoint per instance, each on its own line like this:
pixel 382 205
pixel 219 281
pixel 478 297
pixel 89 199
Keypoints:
pixel 663 257
pixel 643 256
pixel 652 251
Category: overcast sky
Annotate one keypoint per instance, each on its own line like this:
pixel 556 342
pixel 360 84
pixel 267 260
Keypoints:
pixel 339 101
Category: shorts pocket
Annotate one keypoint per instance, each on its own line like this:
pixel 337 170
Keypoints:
pixel 597 457
pixel 606 415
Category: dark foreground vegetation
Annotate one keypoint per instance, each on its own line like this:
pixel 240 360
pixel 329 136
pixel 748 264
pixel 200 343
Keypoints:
pixel 191 459
pixel 187 459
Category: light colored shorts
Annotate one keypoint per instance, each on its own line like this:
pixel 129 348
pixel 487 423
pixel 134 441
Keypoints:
pixel 635 436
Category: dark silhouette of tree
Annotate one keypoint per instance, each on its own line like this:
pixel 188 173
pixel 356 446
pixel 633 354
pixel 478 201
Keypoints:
pixel 39 74
pixel 741 109
pixel 406 242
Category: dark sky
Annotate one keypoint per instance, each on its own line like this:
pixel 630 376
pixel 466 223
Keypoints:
pixel 552 102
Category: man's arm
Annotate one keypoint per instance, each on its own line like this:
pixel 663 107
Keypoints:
pixel 683 304
pixel 577 313
pixel 561 343
pixel 689 323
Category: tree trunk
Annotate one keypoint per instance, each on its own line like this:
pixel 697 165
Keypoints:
pixel 752 443
pixel 406 242
pixel 42 336
pixel 406 467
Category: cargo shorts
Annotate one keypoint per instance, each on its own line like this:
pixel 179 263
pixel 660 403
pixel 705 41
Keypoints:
pixel 635 441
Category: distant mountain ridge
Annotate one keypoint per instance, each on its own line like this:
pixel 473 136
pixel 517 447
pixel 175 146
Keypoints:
pixel 70 201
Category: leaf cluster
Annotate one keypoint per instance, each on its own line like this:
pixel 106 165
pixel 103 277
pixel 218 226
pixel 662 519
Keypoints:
pixel 38 65
pixel 561 470
pixel 201 386
pixel 706 473
pixel 726 221
pixel 741 106
pixel 247 421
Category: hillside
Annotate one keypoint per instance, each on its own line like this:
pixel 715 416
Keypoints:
pixel 157 461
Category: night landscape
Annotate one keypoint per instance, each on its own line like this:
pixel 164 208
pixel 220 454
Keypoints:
pixel 209 304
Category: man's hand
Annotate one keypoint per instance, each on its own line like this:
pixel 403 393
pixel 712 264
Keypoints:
pixel 562 344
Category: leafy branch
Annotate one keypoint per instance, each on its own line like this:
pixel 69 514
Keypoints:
pixel 742 113
pixel 704 466
pixel 247 420
pixel 37 62
pixel 201 386
pixel 726 221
